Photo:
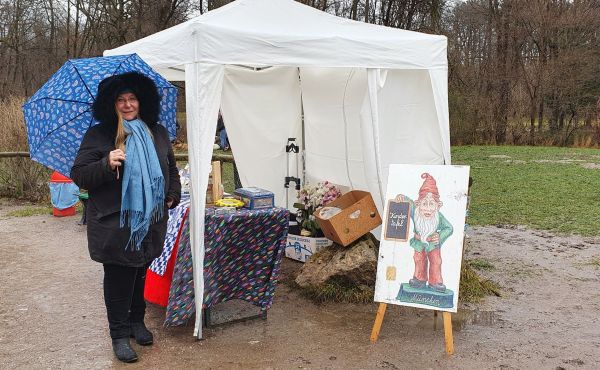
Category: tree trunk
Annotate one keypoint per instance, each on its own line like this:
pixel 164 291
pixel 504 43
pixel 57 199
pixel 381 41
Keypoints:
pixel 354 10
pixel 503 91
pixel 541 115
pixel 561 120
pixel 532 114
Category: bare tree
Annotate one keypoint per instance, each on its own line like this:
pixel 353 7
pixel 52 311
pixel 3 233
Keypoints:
pixel 520 71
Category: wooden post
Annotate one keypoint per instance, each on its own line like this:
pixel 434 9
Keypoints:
pixel 216 189
pixel 448 333
pixel 213 191
pixel 378 321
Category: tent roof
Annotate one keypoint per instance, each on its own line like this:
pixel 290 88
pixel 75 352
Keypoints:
pixel 285 32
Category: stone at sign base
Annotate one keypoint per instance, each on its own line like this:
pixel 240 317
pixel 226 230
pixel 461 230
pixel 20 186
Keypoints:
pixel 355 265
pixel 426 296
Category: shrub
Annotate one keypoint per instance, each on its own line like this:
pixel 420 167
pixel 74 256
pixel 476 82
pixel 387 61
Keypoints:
pixel 19 177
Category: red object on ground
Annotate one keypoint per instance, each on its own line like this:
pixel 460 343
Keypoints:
pixel 64 212
pixel 157 287
pixel 57 177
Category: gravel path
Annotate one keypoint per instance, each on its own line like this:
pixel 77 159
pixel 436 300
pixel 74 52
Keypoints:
pixel 52 314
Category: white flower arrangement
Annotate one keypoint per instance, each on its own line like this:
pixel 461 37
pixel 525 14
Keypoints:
pixel 312 197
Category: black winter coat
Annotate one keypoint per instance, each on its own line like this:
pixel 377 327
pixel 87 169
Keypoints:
pixel 91 171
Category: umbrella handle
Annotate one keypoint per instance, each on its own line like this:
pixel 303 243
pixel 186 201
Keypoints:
pixel 117 172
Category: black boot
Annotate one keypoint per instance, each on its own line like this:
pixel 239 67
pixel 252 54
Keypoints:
pixel 142 335
pixel 123 350
pixel 416 283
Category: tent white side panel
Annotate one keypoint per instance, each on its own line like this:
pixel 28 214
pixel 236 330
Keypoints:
pixel 409 130
pixel 203 83
pixel 172 74
pixel 439 84
pixel 261 110
pixel 369 126
pixel 332 99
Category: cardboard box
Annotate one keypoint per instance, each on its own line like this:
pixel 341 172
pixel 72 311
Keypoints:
pixel 358 216
pixel 256 198
pixel 300 248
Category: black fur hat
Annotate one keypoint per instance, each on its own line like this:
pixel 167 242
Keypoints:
pixel 140 85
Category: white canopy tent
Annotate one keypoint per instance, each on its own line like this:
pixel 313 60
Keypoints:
pixel 368 96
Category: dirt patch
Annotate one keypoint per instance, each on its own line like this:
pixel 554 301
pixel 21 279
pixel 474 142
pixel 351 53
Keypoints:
pixel 52 313
pixel 591 166
pixel 558 161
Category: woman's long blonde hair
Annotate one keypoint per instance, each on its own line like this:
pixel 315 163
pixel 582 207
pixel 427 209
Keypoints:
pixel 121 134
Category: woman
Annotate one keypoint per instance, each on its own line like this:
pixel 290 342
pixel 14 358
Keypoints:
pixel 126 163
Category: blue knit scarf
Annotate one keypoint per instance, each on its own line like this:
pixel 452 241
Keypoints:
pixel 143 189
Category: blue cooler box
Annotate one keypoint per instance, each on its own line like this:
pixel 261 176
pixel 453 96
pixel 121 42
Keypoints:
pixel 256 198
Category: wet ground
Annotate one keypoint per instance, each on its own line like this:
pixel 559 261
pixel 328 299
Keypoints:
pixel 52 313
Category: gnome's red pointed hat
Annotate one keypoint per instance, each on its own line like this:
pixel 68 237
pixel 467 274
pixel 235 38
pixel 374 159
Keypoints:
pixel 429 186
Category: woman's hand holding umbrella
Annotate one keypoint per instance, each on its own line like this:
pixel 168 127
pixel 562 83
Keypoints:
pixel 115 160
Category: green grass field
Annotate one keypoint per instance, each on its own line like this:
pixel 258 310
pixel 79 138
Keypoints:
pixel 556 189
pixel 549 188
pixel 226 171
pixel 226 174
pixel 31 211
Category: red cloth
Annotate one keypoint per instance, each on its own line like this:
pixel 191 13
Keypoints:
pixel 157 287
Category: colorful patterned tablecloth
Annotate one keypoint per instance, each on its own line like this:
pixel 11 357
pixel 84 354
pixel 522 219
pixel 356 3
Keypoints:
pixel 176 218
pixel 243 253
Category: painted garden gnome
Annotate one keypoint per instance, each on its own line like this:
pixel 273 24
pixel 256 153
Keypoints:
pixel 431 229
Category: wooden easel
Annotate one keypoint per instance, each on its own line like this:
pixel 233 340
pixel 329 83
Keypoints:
pixel 449 339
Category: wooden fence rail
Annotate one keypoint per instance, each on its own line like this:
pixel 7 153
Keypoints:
pixel 178 156
pixel 14 154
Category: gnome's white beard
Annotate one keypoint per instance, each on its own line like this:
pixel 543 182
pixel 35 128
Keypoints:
pixel 426 226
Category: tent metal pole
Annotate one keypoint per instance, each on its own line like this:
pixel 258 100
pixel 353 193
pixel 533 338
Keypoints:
pixel 303 151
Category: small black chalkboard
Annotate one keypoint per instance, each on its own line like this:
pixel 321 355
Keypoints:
pixel 397 221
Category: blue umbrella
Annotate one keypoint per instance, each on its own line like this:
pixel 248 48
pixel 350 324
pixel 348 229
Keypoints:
pixel 60 112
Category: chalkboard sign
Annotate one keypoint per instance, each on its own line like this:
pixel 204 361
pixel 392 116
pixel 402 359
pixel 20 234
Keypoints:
pixel 397 221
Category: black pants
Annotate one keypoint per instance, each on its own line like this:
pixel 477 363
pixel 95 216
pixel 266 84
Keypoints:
pixel 124 297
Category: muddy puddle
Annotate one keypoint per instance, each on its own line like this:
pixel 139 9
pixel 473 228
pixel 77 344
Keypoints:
pixel 462 319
